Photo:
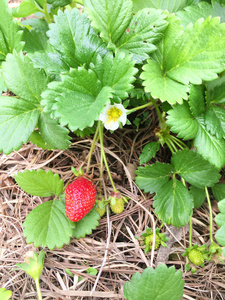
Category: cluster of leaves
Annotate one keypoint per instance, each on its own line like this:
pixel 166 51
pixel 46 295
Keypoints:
pixel 47 224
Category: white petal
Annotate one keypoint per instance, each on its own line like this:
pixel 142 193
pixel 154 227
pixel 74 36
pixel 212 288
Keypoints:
pixel 111 125
pixel 102 117
pixel 123 119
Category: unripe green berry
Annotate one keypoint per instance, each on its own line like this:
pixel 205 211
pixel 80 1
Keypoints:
pixel 101 211
pixel 118 207
pixel 149 241
pixel 196 257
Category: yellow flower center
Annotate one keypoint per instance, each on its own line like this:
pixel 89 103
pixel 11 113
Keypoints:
pixel 114 113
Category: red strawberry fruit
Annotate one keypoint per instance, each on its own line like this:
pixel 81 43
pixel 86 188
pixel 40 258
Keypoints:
pixel 80 198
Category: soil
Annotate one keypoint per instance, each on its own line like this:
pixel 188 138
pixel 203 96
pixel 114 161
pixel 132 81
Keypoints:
pixel 112 248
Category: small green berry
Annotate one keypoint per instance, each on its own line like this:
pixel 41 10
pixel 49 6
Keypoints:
pixel 196 257
pixel 118 206
pixel 101 211
pixel 149 241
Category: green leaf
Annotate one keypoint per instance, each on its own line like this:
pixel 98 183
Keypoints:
pixel 110 17
pixel 173 203
pixel 170 5
pixel 182 122
pixel 149 151
pixel 87 224
pixel 198 196
pixel 162 284
pixel 215 121
pixel 18 119
pixel 59 3
pixel 78 104
pixel 220 220
pixel 203 10
pixel 37 139
pixel 9 28
pixel 216 90
pixel 54 135
pixel 4 294
pixel 92 271
pixel 40 183
pixel 219 191
pixel 152 178
pixel 26 8
pixel 72 36
pixel 145 29
pixel 194 169
pixel 115 71
pixel 196 100
pixel 211 148
pixel 22 78
pixel 48 225
pixel 184 57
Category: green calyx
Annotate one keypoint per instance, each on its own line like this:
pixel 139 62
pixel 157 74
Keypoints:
pixel 197 255
pixel 117 202
pixel 147 239
pixel 34 264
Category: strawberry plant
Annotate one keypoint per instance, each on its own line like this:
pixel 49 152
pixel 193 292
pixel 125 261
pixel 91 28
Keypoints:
pixel 81 73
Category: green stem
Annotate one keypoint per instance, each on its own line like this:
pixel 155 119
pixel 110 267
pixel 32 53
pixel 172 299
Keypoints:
pixel 100 125
pixel 178 142
pixel 46 12
pixel 101 170
pixel 38 289
pixel 130 111
pixel 190 232
pixel 158 111
pixel 169 146
pixel 210 214
pixel 95 138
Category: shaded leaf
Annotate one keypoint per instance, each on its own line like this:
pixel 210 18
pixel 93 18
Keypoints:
pixel 173 203
pixel 216 90
pixel 149 151
pixel 198 196
pixel 87 224
pixel 48 225
pixel 196 100
pixel 219 191
pixel 40 183
pixel 215 121
pixel 26 8
pixel 220 220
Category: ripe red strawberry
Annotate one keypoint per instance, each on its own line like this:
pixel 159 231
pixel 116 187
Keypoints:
pixel 80 198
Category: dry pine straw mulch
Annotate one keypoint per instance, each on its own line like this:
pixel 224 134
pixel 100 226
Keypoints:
pixel 112 248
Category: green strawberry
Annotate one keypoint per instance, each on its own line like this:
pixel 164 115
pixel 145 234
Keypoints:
pixel 101 211
pixel 117 206
pixel 196 257
pixel 149 241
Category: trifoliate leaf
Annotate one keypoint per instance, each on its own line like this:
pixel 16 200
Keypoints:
pixel 26 8
pixel 194 169
pixel 216 90
pixel 203 10
pixel 173 203
pixel 144 30
pixel 215 121
pixel 48 225
pixel 182 122
pixel 22 78
pixel 4 294
pixel 79 98
pixel 184 57
pixel 196 100
pixel 40 183
pixel 160 284
pixel 170 5
pixel 220 220
pixel 110 17
pixel 219 191
pixel 198 196
pixel 18 119
pixel 211 148
pixel 152 178
pixel 87 224
pixel 72 36
pixel 54 135
pixel 9 28
pixel 115 71
pixel 149 151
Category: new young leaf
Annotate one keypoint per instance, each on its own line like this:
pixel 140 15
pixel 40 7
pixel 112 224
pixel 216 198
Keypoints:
pixel 4 294
pixel 48 225
pixel 160 284
pixel 220 220
pixel 40 183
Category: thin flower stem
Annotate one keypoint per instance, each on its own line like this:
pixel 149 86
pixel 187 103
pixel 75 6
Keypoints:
pixel 100 125
pixel 95 138
pixel 179 141
pixel 210 214
pixel 101 171
pixel 158 111
pixel 46 12
pixel 38 289
pixel 169 146
pixel 130 111
pixel 190 232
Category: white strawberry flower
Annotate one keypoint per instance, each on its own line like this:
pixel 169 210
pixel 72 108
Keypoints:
pixel 113 115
